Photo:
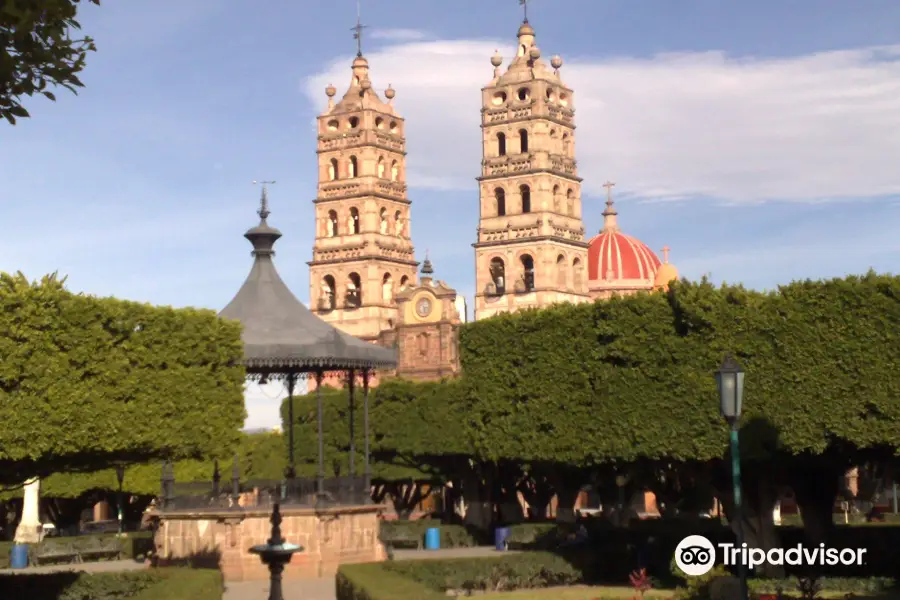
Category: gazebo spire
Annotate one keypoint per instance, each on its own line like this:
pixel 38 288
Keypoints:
pixel 262 236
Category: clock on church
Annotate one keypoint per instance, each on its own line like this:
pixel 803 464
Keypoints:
pixel 423 307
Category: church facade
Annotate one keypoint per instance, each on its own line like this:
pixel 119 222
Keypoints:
pixel 531 248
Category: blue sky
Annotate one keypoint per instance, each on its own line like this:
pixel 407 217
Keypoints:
pixel 759 140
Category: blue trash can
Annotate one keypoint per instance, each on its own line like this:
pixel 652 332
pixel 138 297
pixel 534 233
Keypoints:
pixel 432 538
pixel 501 535
pixel 18 556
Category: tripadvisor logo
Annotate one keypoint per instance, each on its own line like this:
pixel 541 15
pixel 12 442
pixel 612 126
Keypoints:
pixel 695 555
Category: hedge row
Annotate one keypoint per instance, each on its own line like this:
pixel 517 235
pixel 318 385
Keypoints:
pixel 431 579
pixel 86 382
pixel 156 584
pixel 612 553
pixel 632 378
pixel 452 536
pixel 137 545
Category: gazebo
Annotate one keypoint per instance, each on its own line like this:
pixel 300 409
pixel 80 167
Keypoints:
pixel 284 340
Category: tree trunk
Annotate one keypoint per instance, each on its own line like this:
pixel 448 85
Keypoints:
pixel 816 482
pixel 760 492
pixel 476 493
pixel 567 483
pixel 406 495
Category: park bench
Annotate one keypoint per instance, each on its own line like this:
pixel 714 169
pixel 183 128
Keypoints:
pixel 53 550
pixel 99 547
pixel 392 538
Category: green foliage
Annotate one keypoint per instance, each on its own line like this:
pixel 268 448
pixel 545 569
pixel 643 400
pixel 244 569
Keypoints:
pixel 373 582
pixel 430 579
pixel 698 588
pixel 89 381
pixel 416 429
pixel 452 536
pixel 632 378
pixel 158 584
pixel 260 456
pixel 37 50
pixel 510 572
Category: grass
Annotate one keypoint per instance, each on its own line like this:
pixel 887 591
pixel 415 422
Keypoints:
pixel 579 592
pixel 584 592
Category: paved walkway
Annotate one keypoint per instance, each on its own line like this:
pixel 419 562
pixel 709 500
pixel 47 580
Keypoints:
pixel 314 589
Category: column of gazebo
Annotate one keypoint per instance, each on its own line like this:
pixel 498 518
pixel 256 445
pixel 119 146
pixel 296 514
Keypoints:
pixel 367 473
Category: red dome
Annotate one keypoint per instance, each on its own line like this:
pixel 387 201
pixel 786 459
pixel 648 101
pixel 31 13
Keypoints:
pixel 612 256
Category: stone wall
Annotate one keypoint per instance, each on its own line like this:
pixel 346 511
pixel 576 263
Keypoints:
pixel 329 537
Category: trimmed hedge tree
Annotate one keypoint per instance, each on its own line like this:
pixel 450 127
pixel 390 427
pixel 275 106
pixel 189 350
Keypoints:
pixel 632 378
pixel 86 381
pixel 630 381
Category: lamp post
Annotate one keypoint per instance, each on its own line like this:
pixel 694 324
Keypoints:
pixel 730 380
pixel 120 475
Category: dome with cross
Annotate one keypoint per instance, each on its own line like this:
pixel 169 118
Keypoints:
pixel 618 262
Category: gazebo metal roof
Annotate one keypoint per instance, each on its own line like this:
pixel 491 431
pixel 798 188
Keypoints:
pixel 280 333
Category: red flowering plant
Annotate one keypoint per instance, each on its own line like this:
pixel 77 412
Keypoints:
pixel 640 581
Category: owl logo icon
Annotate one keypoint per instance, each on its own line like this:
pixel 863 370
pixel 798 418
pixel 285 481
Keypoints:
pixel 695 555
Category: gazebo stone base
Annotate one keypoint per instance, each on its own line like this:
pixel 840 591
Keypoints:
pixel 330 537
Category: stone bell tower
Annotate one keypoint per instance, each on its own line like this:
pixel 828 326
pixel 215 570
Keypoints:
pixel 363 253
pixel 530 250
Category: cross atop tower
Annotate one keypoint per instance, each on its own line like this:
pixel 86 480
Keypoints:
pixel 665 252
pixel 357 29
pixel 524 5
pixel 263 211
pixel 609 185
pixel 609 201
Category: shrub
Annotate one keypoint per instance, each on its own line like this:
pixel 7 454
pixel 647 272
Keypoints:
pixel 156 584
pixel 427 579
pixel 372 582
pixel 452 536
pixel 510 572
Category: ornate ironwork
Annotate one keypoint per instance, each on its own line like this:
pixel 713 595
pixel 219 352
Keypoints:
pixel 336 491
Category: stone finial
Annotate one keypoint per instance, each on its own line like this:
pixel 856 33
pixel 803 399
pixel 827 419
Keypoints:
pixel 365 84
pixel 556 62
pixel 330 91
pixel 535 53
pixel 389 93
pixel 496 59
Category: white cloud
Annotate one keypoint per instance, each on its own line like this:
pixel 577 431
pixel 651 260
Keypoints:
pixel 815 127
pixel 398 35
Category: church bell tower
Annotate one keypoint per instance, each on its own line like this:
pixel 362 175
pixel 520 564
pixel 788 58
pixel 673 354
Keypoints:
pixel 530 250
pixel 363 253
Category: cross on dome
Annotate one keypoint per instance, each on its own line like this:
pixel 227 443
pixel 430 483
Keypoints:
pixel 609 215
pixel 357 29
pixel 665 252
pixel 524 5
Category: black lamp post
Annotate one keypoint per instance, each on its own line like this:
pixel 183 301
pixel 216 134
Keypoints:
pixel 730 380
pixel 120 476
pixel 276 553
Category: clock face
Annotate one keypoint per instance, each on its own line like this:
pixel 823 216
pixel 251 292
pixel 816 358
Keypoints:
pixel 423 307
